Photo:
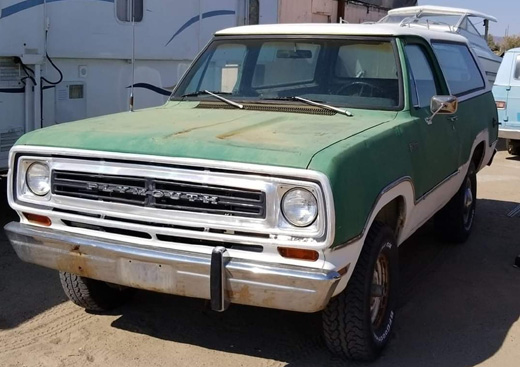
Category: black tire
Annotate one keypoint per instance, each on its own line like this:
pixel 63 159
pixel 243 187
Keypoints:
pixel 93 295
pixel 454 222
pixel 513 147
pixel 353 325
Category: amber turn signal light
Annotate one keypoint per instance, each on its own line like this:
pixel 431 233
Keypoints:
pixel 298 253
pixel 501 105
pixel 38 219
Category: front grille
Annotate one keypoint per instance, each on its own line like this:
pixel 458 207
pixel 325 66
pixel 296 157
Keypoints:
pixel 160 194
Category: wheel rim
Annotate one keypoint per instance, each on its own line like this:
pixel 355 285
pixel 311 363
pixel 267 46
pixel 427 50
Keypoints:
pixel 380 287
pixel 468 204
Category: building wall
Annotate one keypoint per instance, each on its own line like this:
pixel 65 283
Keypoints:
pixel 355 13
pixel 308 11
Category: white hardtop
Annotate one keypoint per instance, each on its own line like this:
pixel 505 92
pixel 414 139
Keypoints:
pixel 333 29
pixel 440 10
pixel 514 50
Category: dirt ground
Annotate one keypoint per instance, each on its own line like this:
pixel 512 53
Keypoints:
pixel 459 306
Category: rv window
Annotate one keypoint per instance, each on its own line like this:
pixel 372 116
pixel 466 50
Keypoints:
pixel 517 68
pixel 459 68
pixel 76 91
pixel 125 12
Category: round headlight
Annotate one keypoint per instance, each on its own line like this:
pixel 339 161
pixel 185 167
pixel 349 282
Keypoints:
pixel 299 207
pixel 38 179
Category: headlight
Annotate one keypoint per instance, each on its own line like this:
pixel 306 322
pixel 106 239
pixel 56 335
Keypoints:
pixel 299 207
pixel 38 178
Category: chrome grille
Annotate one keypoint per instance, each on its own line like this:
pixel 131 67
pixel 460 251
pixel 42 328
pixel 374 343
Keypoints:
pixel 160 194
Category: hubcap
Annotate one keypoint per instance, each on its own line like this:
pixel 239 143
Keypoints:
pixel 379 291
pixel 468 204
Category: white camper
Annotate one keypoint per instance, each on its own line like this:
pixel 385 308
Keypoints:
pixel 65 60
pixel 453 20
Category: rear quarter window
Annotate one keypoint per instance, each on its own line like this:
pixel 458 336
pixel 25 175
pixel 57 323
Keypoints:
pixel 459 68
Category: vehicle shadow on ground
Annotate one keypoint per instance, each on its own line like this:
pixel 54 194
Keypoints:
pixel 26 290
pixel 513 158
pixel 457 304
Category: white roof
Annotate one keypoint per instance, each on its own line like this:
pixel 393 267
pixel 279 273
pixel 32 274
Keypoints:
pixel 439 10
pixel 336 29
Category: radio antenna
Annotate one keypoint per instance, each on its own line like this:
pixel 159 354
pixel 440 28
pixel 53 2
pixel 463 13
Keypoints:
pixel 133 57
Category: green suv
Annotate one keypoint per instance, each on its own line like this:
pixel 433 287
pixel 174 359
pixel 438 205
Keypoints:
pixel 288 166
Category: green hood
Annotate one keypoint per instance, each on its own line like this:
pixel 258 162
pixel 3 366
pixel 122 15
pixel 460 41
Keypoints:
pixel 178 129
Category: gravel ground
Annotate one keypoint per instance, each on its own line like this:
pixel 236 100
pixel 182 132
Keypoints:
pixel 459 306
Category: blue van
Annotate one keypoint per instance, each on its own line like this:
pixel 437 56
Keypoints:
pixel 507 96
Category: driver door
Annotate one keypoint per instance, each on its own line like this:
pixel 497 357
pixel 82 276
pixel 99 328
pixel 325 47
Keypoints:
pixel 433 146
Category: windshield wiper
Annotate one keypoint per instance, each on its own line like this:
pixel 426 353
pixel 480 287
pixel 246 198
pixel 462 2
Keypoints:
pixel 228 101
pixel 313 103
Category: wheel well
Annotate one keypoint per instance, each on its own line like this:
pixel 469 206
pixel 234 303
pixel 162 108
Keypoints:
pixel 393 214
pixel 478 155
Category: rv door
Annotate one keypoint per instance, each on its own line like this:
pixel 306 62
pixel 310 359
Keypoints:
pixel 502 87
pixel 513 97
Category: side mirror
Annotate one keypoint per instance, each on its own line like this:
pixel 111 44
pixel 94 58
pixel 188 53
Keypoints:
pixel 442 105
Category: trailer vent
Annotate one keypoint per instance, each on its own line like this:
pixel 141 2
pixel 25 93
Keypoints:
pixel 8 138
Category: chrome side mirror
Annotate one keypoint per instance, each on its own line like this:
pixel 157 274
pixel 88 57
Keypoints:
pixel 442 105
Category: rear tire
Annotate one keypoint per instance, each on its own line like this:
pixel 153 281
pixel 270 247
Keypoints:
pixel 93 295
pixel 513 147
pixel 358 322
pixel 454 222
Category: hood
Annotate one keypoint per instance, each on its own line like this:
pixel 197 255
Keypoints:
pixel 180 129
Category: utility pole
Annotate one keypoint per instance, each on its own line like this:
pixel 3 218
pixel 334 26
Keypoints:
pixel 341 10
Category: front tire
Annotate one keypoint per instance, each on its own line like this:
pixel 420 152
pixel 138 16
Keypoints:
pixel 513 147
pixel 93 295
pixel 454 222
pixel 357 323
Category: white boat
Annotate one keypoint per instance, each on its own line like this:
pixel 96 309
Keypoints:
pixel 454 20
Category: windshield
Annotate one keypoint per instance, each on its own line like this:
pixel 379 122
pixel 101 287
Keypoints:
pixel 348 73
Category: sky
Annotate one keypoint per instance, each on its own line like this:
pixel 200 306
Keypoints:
pixel 506 11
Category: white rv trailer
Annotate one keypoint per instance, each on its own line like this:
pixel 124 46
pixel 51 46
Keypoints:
pixel 65 60
pixel 454 20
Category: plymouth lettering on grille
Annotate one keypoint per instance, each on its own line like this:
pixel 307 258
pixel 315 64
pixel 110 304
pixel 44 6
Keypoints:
pixel 139 191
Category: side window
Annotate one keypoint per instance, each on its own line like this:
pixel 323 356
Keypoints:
pixel 422 80
pixel 459 67
pixel 125 12
pixel 517 68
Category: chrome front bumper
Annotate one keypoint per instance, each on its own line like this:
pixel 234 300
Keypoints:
pixel 513 134
pixel 217 277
